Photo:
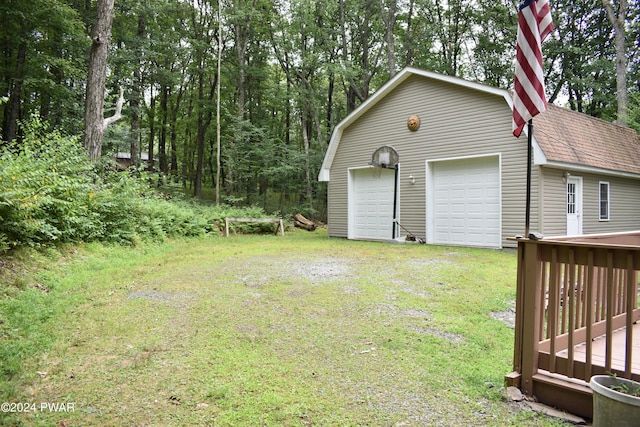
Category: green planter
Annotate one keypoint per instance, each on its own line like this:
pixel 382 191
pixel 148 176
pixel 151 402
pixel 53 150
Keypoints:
pixel 613 408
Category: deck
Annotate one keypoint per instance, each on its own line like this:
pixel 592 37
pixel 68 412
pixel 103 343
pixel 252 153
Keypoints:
pixel 576 316
pixel 599 350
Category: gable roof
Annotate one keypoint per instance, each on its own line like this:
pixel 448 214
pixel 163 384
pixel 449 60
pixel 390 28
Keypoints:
pixel 565 138
pixel 405 73
pixel 569 138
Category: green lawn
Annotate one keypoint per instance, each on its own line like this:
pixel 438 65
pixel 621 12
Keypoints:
pixel 263 330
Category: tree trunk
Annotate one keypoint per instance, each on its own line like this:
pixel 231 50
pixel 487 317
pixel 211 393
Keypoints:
pixel 162 140
pixel 12 112
pixel 618 21
pixel 96 77
pixel 388 12
pixel 135 121
pixel 152 129
pixel 204 120
pixel 137 89
pixel 307 161
pixel 174 131
pixel 302 222
pixel 408 41
pixel 218 89
pixel 197 188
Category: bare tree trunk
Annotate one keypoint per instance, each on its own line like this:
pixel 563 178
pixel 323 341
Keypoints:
pixel 618 21
pixel 307 161
pixel 137 89
pixel 197 188
pixel 408 39
pixel 12 111
pixel 174 131
pixel 135 121
pixel 388 11
pixel 162 139
pixel 152 128
pixel 97 74
pixel 218 87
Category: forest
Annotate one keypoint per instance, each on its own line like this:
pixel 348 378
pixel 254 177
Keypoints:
pixel 236 100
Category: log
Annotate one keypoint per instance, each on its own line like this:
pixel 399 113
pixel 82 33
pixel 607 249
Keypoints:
pixel 302 222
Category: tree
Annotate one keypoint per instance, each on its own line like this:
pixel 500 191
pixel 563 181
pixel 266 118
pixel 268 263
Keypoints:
pixel 617 14
pixel 389 9
pixel 494 38
pixel 96 78
pixel 42 46
pixel 362 48
pixel 580 58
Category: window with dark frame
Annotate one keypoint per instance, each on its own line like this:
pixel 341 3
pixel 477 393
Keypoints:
pixel 571 198
pixel 604 201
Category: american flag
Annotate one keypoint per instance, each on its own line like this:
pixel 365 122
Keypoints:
pixel 534 25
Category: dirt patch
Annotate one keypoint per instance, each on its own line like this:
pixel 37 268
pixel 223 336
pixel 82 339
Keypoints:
pixel 155 295
pixel 437 333
pixel 507 316
pixel 320 270
pixel 267 270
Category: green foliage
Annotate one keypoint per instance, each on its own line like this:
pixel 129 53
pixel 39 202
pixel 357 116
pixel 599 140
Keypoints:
pixel 634 110
pixel 623 387
pixel 50 193
pixel 45 185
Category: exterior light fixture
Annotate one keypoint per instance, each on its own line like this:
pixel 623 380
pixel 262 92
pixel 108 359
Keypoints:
pixel 412 180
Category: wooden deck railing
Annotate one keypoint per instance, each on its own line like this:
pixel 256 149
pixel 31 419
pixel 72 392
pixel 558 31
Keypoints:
pixel 573 296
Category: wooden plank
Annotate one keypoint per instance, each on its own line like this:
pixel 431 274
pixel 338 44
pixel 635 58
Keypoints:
pixel 597 329
pixel 263 220
pixel 531 317
pixel 610 294
pixel 598 357
pixel 278 221
pixel 632 300
pixel 590 313
pixel 554 304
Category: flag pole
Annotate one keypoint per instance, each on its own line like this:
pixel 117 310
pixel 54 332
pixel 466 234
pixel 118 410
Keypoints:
pixel 527 219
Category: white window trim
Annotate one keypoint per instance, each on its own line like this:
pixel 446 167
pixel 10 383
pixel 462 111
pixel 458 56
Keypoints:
pixel 608 217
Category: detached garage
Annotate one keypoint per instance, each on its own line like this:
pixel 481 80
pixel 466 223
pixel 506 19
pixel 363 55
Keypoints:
pixel 459 175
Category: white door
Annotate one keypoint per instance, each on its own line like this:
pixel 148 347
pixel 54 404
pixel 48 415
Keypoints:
pixel 574 206
pixel 466 207
pixel 372 203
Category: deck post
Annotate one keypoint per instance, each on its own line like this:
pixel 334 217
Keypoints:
pixel 531 314
pixel 518 330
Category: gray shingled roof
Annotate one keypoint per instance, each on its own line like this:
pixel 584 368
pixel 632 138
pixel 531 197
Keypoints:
pixel 567 136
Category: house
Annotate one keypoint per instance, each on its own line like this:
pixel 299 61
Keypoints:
pixel 460 174
pixel 123 160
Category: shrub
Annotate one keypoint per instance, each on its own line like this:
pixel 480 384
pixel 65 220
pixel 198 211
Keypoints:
pixel 44 185
pixel 50 193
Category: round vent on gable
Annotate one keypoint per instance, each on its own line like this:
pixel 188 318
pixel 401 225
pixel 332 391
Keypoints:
pixel 385 157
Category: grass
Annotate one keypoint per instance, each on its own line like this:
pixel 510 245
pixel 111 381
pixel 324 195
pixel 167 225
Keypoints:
pixel 263 331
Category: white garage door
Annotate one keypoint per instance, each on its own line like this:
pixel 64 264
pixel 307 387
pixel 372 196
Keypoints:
pixel 372 203
pixel 466 202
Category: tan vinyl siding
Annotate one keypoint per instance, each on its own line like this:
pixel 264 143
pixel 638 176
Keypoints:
pixel 455 122
pixel 337 207
pixel 554 206
pixel 624 203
